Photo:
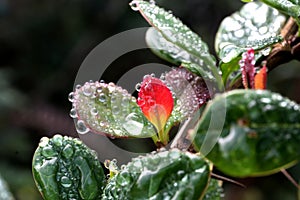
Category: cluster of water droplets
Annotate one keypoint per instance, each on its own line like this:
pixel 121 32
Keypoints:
pixel 175 32
pixel 255 25
pixel 138 174
pixel 59 157
pixel 189 91
pixel 107 109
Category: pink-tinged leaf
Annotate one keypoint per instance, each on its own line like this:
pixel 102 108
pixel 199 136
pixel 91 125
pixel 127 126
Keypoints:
pixel 247 67
pixel 156 101
pixel 260 80
pixel 190 91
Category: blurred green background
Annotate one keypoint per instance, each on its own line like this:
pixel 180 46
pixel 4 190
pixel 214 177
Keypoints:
pixel 42 45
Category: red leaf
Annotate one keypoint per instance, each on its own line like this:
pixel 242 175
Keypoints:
pixel 155 101
pixel 260 79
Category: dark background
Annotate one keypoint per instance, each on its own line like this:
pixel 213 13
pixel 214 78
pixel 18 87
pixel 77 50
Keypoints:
pixel 42 45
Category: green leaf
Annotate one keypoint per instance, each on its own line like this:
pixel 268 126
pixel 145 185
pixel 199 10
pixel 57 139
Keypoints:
pixel 108 109
pixel 64 168
pixel 174 41
pixel 163 175
pixel 214 190
pixel 260 136
pixel 165 49
pixel 289 7
pixel 255 26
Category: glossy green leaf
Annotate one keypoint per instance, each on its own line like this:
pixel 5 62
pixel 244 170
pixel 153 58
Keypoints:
pixel 256 25
pixel 289 7
pixel 163 175
pixel 108 109
pixel 174 41
pixel 64 168
pixel 260 136
pixel 214 190
pixel 165 49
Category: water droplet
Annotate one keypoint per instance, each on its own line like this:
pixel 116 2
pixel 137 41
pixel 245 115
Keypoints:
pixel 283 104
pixel 71 97
pixel 87 90
pixel 68 151
pixel 138 87
pixel 49 152
pixel 66 182
pixel 73 113
pixel 94 111
pixel 133 125
pixel 81 128
pixel 44 141
pixel 102 98
pixel 134 5
pixel 265 100
pixel 123 179
pixel 78 87
pixel 57 140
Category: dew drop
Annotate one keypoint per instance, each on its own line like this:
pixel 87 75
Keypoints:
pixel 77 87
pixel 68 151
pixel 57 140
pixel 87 91
pixel 133 125
pixel 134 5
pixel 48 152
pixel 102 98
pixel 94 111
pixel 138 87
pixel 44 141
pixel 283 104
pixel 71 97
pixel 265 100
pixel 81 128
pixel 73 113
pixel 65 182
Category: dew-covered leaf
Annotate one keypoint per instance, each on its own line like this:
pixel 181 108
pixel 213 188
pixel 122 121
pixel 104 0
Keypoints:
pixel 255 26
pixel 164 175
pixel 260 136
pixel 108 109
pixel 64 168
pixel 165 49
pixel 174 41
pixel 214 190
pixel 289 7
pixel 189 90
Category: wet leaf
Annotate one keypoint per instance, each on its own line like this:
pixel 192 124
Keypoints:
pixel 190 91
pixel 108 109
pixel 174 41
pixel 260 136
pixel 255 26
pixel 163 175
pixel 289 7
pixel 214 190
pixel 64 168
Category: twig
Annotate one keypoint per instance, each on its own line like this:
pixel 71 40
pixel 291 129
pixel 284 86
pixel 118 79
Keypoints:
pixel 290 178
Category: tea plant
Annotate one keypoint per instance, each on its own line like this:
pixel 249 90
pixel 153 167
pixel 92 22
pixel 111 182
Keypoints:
pixel 242 129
